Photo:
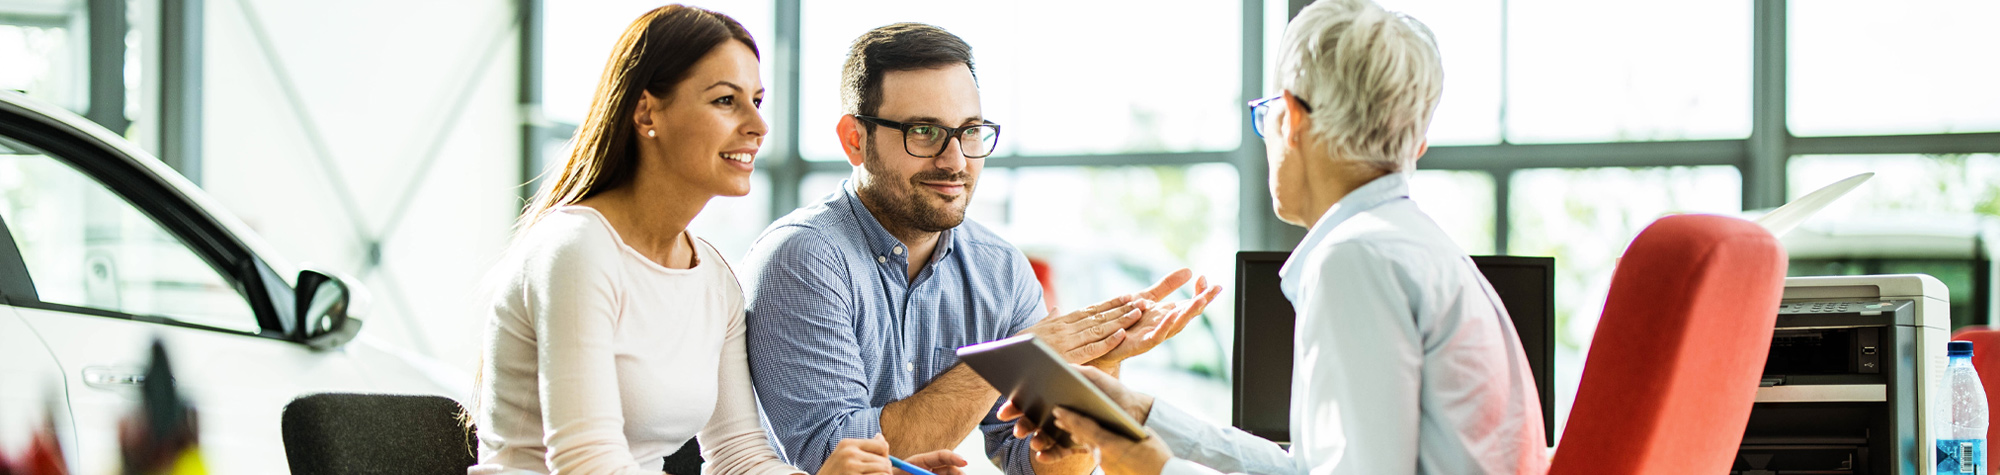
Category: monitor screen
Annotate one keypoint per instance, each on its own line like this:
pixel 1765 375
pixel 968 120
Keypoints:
pixel 1263 360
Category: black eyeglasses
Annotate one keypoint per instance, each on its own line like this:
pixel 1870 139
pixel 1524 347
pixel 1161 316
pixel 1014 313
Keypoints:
pixel 928 140
pixel 1260 113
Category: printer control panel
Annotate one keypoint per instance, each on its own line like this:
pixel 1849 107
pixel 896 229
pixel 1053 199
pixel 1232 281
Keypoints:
pixel 1858 308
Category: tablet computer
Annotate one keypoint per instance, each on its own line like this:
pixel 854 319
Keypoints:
pixel 1038 380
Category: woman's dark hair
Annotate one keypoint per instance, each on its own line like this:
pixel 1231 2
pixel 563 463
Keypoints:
pixel 654 55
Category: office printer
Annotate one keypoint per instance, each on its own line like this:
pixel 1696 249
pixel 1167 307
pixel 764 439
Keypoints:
pixel 1855 370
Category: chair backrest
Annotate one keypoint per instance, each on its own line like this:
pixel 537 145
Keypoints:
pixel 341 433
pixel 687 460
pixel 1985 360
pixel 1675 363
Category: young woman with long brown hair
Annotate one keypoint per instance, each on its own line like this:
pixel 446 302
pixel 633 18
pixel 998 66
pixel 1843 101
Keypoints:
pixel 615 335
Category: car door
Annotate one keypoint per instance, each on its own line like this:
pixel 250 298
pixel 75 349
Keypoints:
pixel 109 278
pixel 30 381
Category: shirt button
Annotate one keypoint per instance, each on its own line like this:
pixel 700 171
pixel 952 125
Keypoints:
pixel 898 250
pixel 881 259
pixel 909 366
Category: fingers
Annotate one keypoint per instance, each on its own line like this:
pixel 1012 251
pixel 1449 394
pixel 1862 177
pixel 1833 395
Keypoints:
pixel 1106 322
pixel 1023 426
pixel 859 457
pixel 1184 312
pixel 876 465
pixel 1167 285
pixel 937 460
pixel 1042 442
pixel 1082 429
pixel 1056 454
pixel 1090 351
pixel 1106 305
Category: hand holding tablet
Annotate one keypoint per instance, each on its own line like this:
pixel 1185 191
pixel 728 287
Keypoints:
pixel 1036 381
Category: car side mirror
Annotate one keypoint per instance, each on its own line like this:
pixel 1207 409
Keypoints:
pixel 324 311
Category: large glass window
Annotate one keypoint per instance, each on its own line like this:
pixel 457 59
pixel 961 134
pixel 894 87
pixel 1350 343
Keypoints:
pixel 1585 218
pixel 1921 214
pixel 87 247
pixel 1912 67
pixel 578 38
pixel 1163 78
pixel 1468 37
pixel 731 224
pixel 1903 184
pixel 1592 71
pixel 45 45
pixel 1461 202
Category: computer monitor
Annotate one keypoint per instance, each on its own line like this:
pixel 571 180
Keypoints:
pixel 1264 322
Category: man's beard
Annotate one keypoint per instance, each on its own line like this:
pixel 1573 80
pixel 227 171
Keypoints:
pixel 907 207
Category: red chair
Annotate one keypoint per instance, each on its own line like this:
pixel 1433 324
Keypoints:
pixel 1674 366
pixel 1985 360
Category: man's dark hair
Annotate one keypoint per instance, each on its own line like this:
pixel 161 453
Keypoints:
pixel 897 47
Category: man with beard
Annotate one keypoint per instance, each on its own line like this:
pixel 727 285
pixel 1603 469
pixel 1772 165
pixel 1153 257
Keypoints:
pixel 859 302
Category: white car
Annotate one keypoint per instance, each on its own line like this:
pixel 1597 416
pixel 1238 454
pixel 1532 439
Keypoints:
pixel 107 249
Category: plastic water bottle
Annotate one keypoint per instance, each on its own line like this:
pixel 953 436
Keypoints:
pixel 1961 446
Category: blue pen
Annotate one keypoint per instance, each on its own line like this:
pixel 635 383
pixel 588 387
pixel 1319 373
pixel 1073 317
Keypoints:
pixel 905 466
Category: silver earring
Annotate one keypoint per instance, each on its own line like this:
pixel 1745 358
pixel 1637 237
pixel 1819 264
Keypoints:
pixel 651 133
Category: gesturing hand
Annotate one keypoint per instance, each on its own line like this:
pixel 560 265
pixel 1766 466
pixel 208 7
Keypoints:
pixel 1161 321
pixel 1086 334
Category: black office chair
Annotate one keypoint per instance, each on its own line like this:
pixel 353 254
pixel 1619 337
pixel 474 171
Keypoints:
pixel 687 460
pixel 347 434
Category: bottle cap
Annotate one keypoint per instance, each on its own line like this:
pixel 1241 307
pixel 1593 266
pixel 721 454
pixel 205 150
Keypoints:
pixel 1959 348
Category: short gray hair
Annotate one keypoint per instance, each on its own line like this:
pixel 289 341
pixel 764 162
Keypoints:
pixel 1371 77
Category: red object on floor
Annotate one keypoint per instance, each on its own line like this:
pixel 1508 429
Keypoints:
pixel 44 456
pixel 1047 277
pixel 1674 366
pixel 1985 360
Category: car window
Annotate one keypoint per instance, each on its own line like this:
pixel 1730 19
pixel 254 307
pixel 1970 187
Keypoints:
pixel 86 246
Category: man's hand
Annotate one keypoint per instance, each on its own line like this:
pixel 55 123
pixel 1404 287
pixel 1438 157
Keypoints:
pixel 1087 334
pixel 1115 453
pixel 942 462
pixel 1161 321
pixel 1136 404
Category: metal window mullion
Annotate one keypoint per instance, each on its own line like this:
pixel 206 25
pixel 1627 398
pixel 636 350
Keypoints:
pixel 529 97
pixel 1584 155
pixel 1764 163
pixel 791 169
pixel 181 34
pixel 108 27
pixel 1502 202
pixel 1896 144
